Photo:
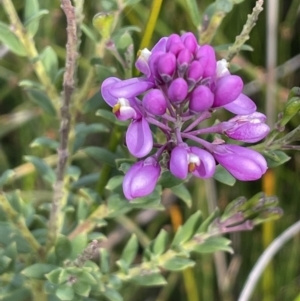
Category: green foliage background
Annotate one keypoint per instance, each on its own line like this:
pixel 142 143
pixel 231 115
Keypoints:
pixel 21 121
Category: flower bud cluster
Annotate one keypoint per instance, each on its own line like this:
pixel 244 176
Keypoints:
pixel 182 85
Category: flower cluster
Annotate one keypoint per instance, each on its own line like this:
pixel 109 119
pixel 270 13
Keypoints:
pixel 183 85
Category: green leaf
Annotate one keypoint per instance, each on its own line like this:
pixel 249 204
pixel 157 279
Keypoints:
pixel 130 250
pixel 50 62
pixel 214 244
pixel 124 41
pixel 54 275
pixel 104 261
pixel 167 180
pixel 160 243
pixel 291 108
pixel 30 84
pixel 42 168
pixel 82 289
pixel 88 278
pixel 205 225
pixel 31 8
pixel 276 158
pixel 187 231
pixel 85 181
pixel 178 263
pixel 223 176
pixel 6 176
pixel 79 243
pixel 83 209
pixel 101 154
pixel 83 129
pixel 63 247
pixel 11 40
pixel 114 183
pixel 224 5
pixel 65 292
pixel 11 251
pixel 153 279
pixel 4 263
pixel 194 12
pixel 103 22
pixel 89 33
pixel 109 116
pixel 112 294
pixel 38 270
pixel 183 193
pixel 32 23
pixel 42 100
pixel 45 142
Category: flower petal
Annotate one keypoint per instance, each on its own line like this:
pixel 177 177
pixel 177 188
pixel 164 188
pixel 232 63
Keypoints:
pixel 106 90
pixel 129 177
pixel 243 163
pixel 243 105
pixel 179 162
pixel 139 138
pixel 207 163
pixel 131 87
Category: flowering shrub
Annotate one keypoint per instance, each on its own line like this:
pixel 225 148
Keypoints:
pixel 54 207
pixel 182 86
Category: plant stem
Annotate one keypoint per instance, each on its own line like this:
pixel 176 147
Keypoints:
pixel 155 9
pixel 31 51
pixel 244 35
pixel 56 217
pixel 19 223
pixel 90 223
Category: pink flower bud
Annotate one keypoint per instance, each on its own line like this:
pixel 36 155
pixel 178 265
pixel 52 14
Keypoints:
pixel 228 88
pixel 178 90
pixel 201 99
pixel 154 102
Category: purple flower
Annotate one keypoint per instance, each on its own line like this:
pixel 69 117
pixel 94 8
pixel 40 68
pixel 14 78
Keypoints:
pixel 201 99
pixel 243 163
pixel 178 90
pixel 228 88
pixel 166 66
pixel 139 138
pixel 182 85
pixel 207 57
pixel 242 105
pixel 195 160
pixel 140 180
pixel 248 128
pixel 154 102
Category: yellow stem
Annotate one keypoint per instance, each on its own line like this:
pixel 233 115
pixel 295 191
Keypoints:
pixel 267 237
pixel 155 9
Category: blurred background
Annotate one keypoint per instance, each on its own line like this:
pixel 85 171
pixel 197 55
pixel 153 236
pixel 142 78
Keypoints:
pixel 269 72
